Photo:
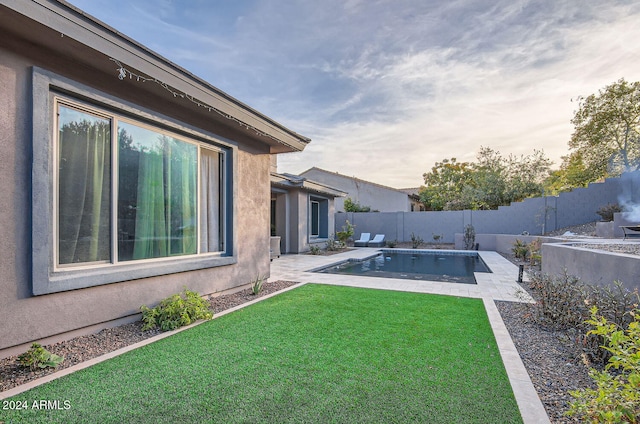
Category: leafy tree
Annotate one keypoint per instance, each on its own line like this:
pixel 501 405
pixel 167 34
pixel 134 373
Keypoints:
pixel 572 174
pixel 607 131
pixel 490 182
pixel 525 176
pixel 351 206
pixel 445 183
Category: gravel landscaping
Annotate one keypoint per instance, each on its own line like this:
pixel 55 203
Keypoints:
pixel 83 348
pixel 552 358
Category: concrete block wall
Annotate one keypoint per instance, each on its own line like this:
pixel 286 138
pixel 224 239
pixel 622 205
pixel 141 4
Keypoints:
pixel 534 216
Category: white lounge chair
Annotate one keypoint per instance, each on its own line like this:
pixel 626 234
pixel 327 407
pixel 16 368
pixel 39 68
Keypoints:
pixel 378 241
pixel 364 239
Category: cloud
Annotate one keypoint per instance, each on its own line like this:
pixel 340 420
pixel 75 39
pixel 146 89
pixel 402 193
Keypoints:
pixel 484 89
pixel 387 88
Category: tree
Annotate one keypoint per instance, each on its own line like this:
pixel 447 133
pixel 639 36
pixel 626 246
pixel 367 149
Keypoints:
pixel 351 206
pixel 490 182
pixel 445 183
pixel 607 130
pixel 572 174
pixel 525 176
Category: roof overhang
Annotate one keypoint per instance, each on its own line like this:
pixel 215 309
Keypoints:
pixel 79 36
pixel 288 181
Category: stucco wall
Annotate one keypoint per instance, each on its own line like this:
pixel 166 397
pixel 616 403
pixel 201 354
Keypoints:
pixel 24 317
pixel 591 266
pixel 377 197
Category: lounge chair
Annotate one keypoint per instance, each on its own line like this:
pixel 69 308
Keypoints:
pixel 364 239
pixel 377 241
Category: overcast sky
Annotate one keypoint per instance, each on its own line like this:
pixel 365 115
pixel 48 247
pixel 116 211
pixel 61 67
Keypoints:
pixel 385 88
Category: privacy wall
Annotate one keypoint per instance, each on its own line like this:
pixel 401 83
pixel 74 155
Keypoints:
pixel 535 216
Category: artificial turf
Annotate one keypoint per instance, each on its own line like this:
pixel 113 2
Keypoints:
pixel 314 354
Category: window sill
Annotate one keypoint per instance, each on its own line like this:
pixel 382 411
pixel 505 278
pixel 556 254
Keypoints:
pixel 83 278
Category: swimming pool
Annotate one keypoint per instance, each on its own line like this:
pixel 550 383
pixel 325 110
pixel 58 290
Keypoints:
pixel 428 265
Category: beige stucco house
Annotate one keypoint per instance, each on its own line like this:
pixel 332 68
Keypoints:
pixel 302 211
pixel 378 197
pixel 125 177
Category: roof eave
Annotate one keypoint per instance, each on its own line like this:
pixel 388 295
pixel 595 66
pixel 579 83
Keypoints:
pixel 70 21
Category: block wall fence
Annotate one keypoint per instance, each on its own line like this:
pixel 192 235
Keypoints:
pixel 535 216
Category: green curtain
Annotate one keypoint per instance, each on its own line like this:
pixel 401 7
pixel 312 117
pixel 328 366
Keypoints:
pixel 84 187
pixel 151 230
pixel 164 199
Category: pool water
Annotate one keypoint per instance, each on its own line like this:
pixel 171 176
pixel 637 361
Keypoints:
pixel 452 267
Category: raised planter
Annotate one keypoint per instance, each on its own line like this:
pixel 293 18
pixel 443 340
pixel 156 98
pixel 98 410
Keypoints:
pixel 590 265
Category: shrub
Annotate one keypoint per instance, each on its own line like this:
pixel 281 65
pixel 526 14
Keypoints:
pixel 392 243
pixel 606 212
pixel 469 237
pixel 256 285
pixel 437 238
pixel 617 397
pixel 561 301
pixel 564 303
pixel 416 241
pixel 535 252
pixel 332 244
pixel 176 311
pixel 351 206
pixel 39 357
pixel 346 233
pixel 315 250
pixel 520 250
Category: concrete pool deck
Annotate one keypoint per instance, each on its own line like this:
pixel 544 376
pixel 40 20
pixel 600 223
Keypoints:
pixel 498 285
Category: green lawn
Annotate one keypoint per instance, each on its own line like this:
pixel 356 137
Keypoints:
pixel 314 354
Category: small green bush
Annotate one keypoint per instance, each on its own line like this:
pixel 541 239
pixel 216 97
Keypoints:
pixel 39 357
pixel 564 302
pixel 332 244
pixel 520 250
pixel 351 206
pixel 469 237
pixel 416 241
pixel 617 397
pixel 176 311
pixel 314 250
pixel 256 285
pixel 535 253
pixel 346 233
pixel 392 243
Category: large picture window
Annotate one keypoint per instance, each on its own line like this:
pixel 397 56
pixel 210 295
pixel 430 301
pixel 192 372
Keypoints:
pixel 129 191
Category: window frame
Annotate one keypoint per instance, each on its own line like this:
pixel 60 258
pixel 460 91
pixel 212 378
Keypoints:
pixel 49 90
pixel 322 204
pixel 313 203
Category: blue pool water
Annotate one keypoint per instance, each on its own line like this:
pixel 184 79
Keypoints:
pixel 452 267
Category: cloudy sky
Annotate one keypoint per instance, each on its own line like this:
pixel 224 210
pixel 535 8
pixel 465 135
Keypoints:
pixel 385 88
